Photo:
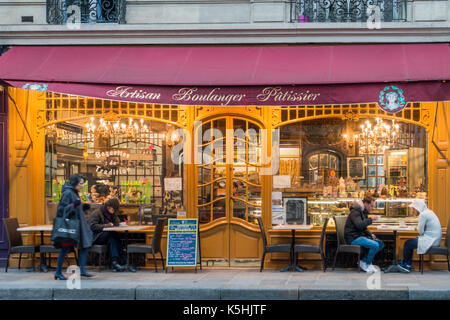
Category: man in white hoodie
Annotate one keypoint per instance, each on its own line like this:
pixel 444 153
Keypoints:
pixel 430 234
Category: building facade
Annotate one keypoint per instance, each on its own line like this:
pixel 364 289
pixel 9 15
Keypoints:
pixel 228 198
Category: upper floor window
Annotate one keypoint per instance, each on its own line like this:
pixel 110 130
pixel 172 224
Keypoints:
pixel 348 11
pixel 85 11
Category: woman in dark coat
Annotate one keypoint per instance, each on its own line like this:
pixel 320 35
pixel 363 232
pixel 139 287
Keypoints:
pixel 70 200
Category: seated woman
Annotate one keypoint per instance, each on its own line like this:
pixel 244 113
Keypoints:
pixel 104 217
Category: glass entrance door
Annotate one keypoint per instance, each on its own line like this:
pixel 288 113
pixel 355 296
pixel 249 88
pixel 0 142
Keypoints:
pixel 229 187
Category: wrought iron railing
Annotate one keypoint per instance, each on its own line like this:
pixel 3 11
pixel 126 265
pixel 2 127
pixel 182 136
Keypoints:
pixel 347 10
pixel 85 11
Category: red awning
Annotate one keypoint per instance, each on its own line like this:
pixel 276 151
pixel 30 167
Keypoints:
pixel 145 71
pixel 228 66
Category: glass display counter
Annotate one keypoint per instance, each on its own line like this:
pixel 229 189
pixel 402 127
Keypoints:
pixel 391 211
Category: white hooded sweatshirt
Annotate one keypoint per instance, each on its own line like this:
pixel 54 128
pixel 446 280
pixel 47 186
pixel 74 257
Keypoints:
pixel 430 231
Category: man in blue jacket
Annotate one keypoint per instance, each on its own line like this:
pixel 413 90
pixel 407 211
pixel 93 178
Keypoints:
pixel 356 232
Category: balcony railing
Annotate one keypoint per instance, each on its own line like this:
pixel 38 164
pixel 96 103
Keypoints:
pixel 347 10
pixel 85 11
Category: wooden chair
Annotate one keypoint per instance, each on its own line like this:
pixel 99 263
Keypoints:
pixel 308 248
pixel 342 246
pixel 271 248
pixel 15 244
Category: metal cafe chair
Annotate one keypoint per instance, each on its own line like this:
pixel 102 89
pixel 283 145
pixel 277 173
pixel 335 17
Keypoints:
pixel 271 248
pixel 445 251
pixel 15 242
pixel 154 248
pixel 342 246
pixel 308 248
pixel 49 249
pixel 100 250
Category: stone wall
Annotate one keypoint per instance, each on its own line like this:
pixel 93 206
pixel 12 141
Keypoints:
pixel 206 12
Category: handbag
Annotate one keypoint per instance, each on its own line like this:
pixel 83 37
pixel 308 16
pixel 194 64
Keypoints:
pixel 66 228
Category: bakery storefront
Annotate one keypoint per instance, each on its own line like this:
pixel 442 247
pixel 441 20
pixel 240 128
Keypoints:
pixel 227 140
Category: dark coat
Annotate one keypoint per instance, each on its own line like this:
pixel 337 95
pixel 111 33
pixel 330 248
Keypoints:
pixel 70 201
pixel 97 221
pixel 357 223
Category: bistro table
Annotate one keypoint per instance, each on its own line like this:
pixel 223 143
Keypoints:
pixel 394 229
pixel 41 229
pixel 293 227
pixel 49 227
pixel 126 229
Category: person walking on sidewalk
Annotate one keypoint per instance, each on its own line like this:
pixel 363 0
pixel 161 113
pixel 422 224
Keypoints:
pixel 103 217
pixel 70 200
pixel 430 234
pixel 356 232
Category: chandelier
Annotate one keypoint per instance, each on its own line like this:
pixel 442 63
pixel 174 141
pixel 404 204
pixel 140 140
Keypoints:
pixel 105 128
pixel 376 139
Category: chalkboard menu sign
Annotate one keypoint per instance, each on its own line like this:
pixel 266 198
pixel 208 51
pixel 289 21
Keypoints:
pixel 182 243
pixel 355 167
pixel 295 210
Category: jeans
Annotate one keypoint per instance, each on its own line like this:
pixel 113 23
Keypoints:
pixel 113 241
pixel 408 250
pixel 374 247
pixel 83 255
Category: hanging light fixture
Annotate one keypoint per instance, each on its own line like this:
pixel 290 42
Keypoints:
pixel 106 128
pixel 375 139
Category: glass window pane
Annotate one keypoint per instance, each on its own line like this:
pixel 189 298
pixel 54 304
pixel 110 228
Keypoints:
pixel 333 162
pixel 372 170
pixel 372 159
pixel 323 160
pixel 380 171
pixel 313 162
pixel 380 160
pixel 372 182
pixel 381 181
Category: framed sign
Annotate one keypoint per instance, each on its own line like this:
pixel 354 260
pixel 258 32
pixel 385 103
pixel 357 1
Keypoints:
pixel 173 184
pixel 281 182
pixel 355 168
pixel 295 210
pixel 182 243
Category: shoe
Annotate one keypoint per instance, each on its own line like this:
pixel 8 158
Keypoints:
pixel 372 269
pixel 404 267
pixel 131 268
pixel 363 266
pixel 115 266
pixel 86 275
pixel 60 277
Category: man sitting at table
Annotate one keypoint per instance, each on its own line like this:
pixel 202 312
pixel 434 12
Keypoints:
pixel 356 232
pixel 430 234
pixel 104 217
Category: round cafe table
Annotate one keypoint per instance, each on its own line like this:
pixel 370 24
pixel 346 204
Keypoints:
pixel 293 227
pixel 126 229
pixel 40 228
pixel 394 267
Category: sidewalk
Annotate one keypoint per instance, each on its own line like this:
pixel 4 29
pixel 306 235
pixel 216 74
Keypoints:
pixel 228 284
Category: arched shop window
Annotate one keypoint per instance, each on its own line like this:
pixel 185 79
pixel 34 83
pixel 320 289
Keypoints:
pixel 125 158
pixel 327 163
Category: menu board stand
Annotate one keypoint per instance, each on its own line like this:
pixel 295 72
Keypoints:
pixel 183 244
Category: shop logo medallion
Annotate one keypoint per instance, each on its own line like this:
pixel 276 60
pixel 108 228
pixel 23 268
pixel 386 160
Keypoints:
pixel 391 99
pixel 35 86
